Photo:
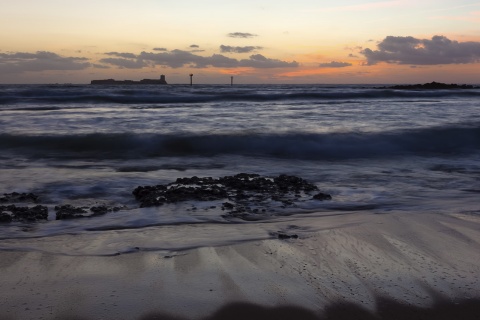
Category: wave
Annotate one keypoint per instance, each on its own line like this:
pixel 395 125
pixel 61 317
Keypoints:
pixel 205 94
pixel 322 146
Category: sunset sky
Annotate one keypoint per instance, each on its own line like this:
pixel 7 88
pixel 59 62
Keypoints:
pixel 257 41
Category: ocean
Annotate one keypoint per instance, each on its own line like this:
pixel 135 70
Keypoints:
pixel 373 150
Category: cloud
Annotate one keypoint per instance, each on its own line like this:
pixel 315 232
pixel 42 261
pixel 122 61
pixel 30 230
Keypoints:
pixel 356 48
pixel 260 61
pixel 40 61
pixel 180 58
pixel 125 63
pixel 195 48
pixel 121 54
pixel 159 49
pixel 100 66
pixel 246 49
pixel 173 59
pixel 435 51
pixel 335 64
pixel 241 35
pixel 220 61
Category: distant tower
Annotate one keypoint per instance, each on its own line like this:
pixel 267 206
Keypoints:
pixel 191 78
pixel 162 79
pixel 231 80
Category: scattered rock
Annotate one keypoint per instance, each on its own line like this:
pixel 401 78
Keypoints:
pixel 103 209
pixel 247 194
pixel 69 212
pixel 26 214
pixel 322 196
pixel 284 236
pixel 19 197
pixel 227 206
pixel 5 217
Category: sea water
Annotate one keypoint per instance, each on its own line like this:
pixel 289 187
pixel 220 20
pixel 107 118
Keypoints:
pixel 374 150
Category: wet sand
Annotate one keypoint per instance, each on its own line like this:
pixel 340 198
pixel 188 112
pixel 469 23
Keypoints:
pixel 362 266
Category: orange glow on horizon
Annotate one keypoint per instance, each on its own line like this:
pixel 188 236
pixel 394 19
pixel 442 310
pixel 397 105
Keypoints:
pixel 238 71
pixel 305 72
pixel 318 71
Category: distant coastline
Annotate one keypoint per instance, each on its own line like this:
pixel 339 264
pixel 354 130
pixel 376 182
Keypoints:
pixel 430 86
pixel 162 80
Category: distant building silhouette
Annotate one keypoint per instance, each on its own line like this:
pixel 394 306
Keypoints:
pixel 162 80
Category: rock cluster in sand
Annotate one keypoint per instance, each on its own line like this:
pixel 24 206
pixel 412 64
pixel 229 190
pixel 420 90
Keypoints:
pixel 248 194
pixel 248 197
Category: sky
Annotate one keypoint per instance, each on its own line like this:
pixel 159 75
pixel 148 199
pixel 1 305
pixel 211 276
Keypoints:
pixel 255 41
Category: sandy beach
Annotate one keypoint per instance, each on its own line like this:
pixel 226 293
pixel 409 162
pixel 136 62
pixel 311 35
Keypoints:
pixel 361 266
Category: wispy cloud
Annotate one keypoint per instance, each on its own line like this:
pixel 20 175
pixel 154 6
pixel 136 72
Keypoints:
pixel 246 49
pixel 335 64
pixel 195 48
pixel 244 35
pixel 120 54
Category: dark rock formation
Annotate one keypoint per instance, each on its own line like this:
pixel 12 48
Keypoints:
pixel 4 216
pixel 284 236
pixel 322 196
pixel 248 194
pixel 18 197
pixel 25 214
pixel 69 212
pixel 430 86
pixel 245 196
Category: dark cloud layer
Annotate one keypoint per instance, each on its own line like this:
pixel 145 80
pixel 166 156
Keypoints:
pixel 45 61
pixel 241 35
pixel 410 50
pixel 335 64
pixel 180 58
pixel 40 61
pixel 246 49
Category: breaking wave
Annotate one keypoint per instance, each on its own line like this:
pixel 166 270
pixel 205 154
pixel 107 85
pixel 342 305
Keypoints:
pixel 323 146
pixel 203 94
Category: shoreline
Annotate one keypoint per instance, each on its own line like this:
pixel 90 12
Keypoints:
pixel 397 264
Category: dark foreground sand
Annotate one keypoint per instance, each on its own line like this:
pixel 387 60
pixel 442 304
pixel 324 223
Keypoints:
pixel 362 266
